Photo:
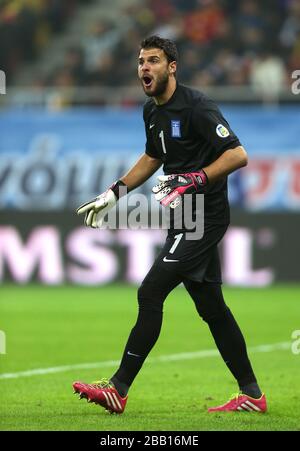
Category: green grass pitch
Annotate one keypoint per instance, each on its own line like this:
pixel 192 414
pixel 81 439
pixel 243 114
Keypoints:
pixel 50 327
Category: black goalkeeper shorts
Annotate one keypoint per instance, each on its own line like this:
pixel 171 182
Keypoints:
pixel 196 260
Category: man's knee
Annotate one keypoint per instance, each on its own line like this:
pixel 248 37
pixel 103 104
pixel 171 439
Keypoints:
pixel 214 316
pixel 209 300
pixel 150 298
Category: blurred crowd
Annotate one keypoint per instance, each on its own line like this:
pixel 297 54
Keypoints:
pixel 220 42
pixel 26 26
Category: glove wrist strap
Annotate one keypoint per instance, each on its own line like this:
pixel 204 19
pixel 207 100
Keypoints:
pixel 203 177
pixel 119 189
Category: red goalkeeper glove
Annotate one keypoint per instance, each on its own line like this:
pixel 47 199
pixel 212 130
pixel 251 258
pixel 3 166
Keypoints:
pixel 171 188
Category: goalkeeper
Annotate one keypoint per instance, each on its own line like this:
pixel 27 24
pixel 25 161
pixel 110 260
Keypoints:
pixel 187 134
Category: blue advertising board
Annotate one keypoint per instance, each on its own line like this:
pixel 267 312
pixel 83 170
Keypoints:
pixel 56 160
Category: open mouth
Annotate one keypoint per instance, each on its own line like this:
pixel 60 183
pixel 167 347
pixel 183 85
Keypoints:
pixel 147 81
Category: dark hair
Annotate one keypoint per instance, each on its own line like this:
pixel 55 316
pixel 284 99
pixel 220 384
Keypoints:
pixel 168 46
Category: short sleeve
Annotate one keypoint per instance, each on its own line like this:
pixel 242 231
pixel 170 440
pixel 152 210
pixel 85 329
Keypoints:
pixel 150 148
pixel 209 122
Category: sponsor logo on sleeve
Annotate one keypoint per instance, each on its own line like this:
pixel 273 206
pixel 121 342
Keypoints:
pixel 222 131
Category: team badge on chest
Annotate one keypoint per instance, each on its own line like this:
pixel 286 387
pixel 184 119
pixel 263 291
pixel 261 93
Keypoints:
pixel 176 132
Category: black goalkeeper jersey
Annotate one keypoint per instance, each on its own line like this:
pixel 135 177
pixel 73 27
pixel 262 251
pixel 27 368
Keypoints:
pixel 188 133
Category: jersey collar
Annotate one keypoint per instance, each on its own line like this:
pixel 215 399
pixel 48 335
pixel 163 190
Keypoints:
pixel 171 99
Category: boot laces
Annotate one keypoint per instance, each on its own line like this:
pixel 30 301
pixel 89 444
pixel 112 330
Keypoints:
pixel 102 383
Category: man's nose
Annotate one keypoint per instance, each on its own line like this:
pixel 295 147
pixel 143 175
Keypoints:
pixel 145 67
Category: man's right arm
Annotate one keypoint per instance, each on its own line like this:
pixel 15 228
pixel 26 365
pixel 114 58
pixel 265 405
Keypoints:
pixel 96 209
pixel 141 171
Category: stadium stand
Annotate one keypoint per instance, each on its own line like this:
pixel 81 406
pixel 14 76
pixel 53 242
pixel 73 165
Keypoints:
pixel 26 27
pixel 221 42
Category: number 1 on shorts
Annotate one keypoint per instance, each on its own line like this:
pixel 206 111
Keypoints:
pixel 176 242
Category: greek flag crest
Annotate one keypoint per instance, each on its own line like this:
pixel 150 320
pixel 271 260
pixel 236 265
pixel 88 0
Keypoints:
pixel 176 132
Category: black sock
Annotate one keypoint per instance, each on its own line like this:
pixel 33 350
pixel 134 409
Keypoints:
pixel 231 344
pixel 211 306
pixel 140 342
pixel 121 387
pixel 252 390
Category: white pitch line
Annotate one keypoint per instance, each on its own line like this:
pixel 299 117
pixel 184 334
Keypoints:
pixel 164 358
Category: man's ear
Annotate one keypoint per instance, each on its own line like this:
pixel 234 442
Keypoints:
pixel 173 67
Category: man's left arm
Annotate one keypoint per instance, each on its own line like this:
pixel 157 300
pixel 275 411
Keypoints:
pixel 172 187
pixel 208 122
pixel 228 162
